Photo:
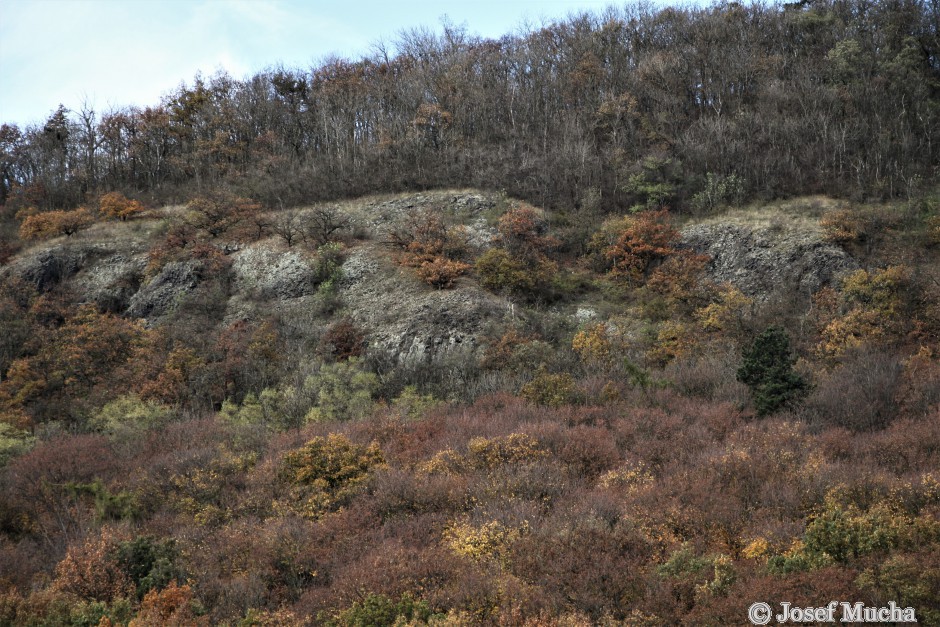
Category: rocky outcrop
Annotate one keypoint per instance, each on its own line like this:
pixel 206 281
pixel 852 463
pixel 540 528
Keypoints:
pixel 766 262
pixel 467 208
pixel 268 274
pixel 113 281
pixel 409 320
pixel 104 273
pixel 46 268
pixel 162 293
pixel 767 255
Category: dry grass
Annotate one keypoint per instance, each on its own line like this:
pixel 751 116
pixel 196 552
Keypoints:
pixel 797 214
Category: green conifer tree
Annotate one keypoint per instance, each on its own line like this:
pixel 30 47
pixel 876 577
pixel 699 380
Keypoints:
pixel 767 369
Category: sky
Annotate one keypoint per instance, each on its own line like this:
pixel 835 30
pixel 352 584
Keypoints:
pixel 114 53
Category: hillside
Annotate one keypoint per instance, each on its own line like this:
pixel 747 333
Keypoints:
pixel 455 407
pixel 631 318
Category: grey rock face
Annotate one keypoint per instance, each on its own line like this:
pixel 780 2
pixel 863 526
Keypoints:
pixel 162 293
pixel 407 319
pixel 111 282
pixel 764 262
pixel 270 274
pixel 467 206
pixel 47 268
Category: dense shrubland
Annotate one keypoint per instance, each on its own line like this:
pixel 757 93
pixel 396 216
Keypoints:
pixel 636 442
pixel 674 456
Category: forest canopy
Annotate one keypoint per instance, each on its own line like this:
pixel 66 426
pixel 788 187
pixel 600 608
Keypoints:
pixel 635 106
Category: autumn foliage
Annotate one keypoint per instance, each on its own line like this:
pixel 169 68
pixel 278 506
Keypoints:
pixel 596 425
pixel 116 205
pixel 52 223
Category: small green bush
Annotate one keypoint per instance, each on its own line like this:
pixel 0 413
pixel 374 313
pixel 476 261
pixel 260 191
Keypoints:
pixel 378 609
pixel 150 563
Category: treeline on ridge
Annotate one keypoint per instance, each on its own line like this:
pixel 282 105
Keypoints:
pixel 633 106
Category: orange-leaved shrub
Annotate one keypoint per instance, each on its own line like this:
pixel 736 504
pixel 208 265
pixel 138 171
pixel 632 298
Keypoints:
pixel 52 223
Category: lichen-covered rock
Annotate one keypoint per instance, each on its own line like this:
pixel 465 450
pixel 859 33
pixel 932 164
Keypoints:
pixel 409 320
pixel 45 268
pixel 466 207
pixel 768 261
pixel 162 293
pixel 111 282
pixel 269 274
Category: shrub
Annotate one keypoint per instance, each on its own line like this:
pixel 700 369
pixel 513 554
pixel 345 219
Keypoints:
pixel 911 580
pixel 91 571
pixel 842 531
pixel 727 314
pixel 116 205
pixel 486 454
pixel 329 264
pixel 412 405
pixel 674 339
pixel 323 225
pixel 861 394
pixel 933 231
pixel 53 223
pixel 587 451
pixel 593 345
pixel 109 505
pixel 441 272
pixel 378 609
pixel 520 266
pixel 13 442
pixel 325 472
pixel 129 412
pixel 343 391
pixel 501 272
pixel 767 369
pixel 435 251
pixel 640 241
pixel 491 540
pixel 516 448
pixel 205 492
pixel 551 390
pixel 174 605
pixel 719 191
pixel 218 213
pixel 149 563
pixel 342 341
pixel 681 280
pixel 100 614
pixel 287 226
pixel 873 304
pixel 843 226
pixel 523 232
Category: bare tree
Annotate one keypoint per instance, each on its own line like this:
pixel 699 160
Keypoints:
pixel 321 224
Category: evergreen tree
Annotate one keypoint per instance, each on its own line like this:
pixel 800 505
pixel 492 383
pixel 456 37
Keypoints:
pixel 767 368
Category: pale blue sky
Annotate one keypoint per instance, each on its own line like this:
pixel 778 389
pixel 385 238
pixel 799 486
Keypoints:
pixel 122 52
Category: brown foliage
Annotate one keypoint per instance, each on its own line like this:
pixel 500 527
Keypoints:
pixel 523 231
pixel 116 205
pixel 585 566
pixel 342 341
pixel 639 242
pixel 53 223
pixel 91 571
pixel 172 606
pixel 73 361
pixel 219 213
pixel 434 250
